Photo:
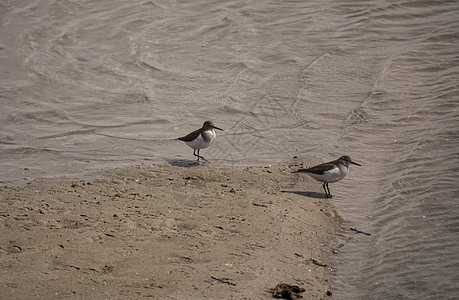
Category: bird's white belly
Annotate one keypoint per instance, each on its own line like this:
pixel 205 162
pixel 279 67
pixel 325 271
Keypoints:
pixel 330 176
pixel 200 143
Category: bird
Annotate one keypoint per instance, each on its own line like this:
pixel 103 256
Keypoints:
pixel 201 138
pixel 329 172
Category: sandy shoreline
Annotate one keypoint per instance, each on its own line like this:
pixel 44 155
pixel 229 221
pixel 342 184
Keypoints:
pixel 167 232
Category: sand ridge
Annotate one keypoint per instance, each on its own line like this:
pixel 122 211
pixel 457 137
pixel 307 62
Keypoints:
pixel 167 232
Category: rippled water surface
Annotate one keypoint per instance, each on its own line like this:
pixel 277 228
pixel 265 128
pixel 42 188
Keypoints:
pixel 87 85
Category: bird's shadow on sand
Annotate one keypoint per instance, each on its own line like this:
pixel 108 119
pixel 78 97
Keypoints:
pixel 183 162
pixel 308 194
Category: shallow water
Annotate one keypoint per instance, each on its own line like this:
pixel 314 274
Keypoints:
pixel 87 85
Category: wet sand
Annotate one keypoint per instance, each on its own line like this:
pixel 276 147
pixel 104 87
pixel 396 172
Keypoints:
pixel 168 232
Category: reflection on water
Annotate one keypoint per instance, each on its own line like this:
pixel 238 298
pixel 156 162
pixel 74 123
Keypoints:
pixel 98 84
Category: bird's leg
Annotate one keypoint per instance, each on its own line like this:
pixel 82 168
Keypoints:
pixel 325 189
pixel 328 188
pixel 199 156
pixel 202 157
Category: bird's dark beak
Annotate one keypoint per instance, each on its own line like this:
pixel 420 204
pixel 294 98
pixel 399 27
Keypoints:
pixel 215 127
pixel 356 163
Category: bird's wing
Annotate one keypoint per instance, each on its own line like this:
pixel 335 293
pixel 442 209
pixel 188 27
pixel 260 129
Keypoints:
pixel 190 136
pixel 319 169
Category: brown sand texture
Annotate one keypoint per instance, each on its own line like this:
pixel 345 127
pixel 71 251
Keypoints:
pixel 167 232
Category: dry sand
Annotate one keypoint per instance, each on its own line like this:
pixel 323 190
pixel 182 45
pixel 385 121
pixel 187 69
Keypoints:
pixel 167 232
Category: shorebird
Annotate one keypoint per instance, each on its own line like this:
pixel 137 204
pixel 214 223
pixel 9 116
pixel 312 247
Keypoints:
pixel 201 138
pixel 329 172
